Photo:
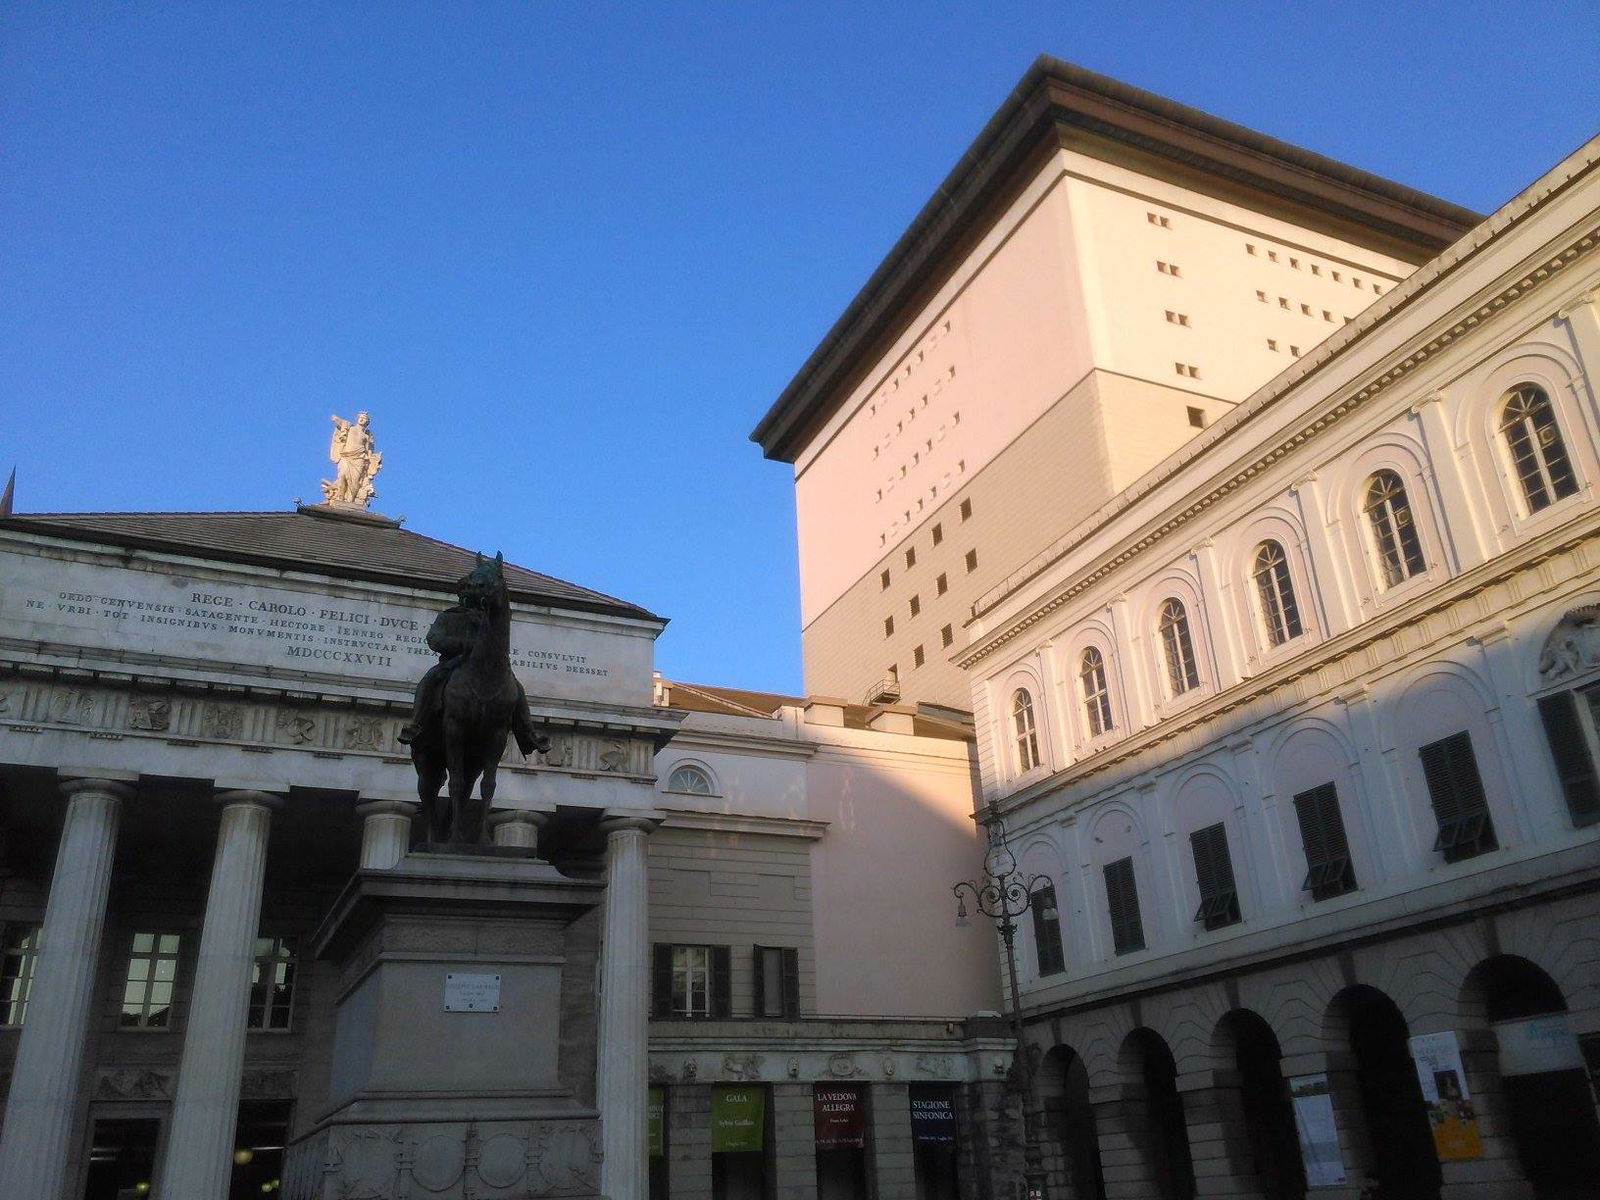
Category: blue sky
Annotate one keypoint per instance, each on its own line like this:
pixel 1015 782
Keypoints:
pixel 568 254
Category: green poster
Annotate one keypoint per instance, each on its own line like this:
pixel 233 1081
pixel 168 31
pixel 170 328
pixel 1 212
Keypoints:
pixel 736 1117
pixel 656 1107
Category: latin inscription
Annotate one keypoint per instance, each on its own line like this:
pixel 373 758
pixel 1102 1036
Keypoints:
pixel 304 631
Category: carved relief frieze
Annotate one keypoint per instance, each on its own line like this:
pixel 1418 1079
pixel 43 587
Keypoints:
pixel 364 733
pixel 224 722
pixel 71 706
pixel 267 1085
pixel 742 1066
pixel 296 727
pixel 133 1083
pixel 150 713
pixel 613 756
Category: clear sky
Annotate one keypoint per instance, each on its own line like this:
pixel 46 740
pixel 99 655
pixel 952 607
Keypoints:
pixel 567 254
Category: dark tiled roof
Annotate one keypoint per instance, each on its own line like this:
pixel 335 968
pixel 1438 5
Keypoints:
pixel 344 546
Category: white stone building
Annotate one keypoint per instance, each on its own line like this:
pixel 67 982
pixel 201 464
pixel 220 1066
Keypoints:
pixel 1299 729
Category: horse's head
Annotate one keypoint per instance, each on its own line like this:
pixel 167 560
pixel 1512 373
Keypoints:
pixel 485 583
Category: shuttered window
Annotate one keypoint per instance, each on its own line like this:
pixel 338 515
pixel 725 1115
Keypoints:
pixel 777 980
pixel 690 981
pixel 1122 899
pixel 1047 930
pixel 1459 804
pixel 1213 871
pixel 1569 746
pixel 1329 871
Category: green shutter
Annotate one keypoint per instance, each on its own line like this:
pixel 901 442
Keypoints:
pixel 1563 729
pixel 757 953
pixel 791 983
pixel 721 982
pixel 1122 899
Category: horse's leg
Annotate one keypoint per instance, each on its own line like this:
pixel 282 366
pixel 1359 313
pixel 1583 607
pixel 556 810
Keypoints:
pixel 460 780
pixel 430 778
pixel 493 748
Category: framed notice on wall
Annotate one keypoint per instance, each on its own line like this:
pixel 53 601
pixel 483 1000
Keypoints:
pixel 840 1117
pixel 738 1115
pixel 1319 1136
pixel 1444 1091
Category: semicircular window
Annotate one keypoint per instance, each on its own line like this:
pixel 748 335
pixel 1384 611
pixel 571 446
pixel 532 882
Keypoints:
pixel 690 779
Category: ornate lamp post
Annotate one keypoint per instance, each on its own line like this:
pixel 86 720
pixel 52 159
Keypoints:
pixel 1003 895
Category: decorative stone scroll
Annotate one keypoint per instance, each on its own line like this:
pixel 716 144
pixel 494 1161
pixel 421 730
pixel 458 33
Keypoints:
pixel 1573 647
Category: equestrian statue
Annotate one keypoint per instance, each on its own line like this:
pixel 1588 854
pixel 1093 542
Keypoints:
pixel 466 706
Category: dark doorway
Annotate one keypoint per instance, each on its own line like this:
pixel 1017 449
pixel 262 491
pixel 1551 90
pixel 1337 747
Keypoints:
pixel 1164 1129
pixel 258 1142
pixel 1404 1160
pixel 122 1157
pixel 1549 1103
pixel 934 1146
pixel 1070 1121
pixel 1275 1165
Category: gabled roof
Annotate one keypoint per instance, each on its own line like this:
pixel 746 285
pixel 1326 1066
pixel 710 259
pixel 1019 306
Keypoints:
pixel 1058 104
pixel 341 545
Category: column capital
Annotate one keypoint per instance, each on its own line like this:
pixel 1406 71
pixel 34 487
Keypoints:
pixel 116 784
pixel 510 816
pixel 621 823
pixel 267 800
pixel 388 808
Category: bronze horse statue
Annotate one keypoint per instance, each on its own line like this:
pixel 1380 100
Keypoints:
pixel 466 707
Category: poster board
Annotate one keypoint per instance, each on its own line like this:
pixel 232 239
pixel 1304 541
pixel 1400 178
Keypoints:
pixel 1318 1132
pixel 1444 1090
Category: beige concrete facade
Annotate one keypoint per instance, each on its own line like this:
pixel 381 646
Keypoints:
pixel 1117 302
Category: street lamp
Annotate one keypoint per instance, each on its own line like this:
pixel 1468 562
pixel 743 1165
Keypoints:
pixel 1003 895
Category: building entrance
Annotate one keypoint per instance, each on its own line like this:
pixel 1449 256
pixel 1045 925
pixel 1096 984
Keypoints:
pixel 1267 1114
pixel 1164 1131
pixel 1403 1158
pixel 1549 1103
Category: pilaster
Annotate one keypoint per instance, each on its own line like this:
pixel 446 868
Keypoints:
pixel 795 1141
pixel 894 1167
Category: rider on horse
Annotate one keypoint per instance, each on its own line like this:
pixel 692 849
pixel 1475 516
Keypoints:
pixel 451 638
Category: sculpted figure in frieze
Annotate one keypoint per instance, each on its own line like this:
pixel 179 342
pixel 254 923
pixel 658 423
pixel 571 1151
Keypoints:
pixel 355 463
pixel 466 706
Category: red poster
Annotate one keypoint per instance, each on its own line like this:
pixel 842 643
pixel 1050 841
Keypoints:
pixel 841 1120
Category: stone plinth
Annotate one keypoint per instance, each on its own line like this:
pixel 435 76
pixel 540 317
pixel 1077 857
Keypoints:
pixel 464 1035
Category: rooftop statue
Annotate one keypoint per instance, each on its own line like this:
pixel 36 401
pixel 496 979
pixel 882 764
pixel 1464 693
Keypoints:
pixel 466 706
pixel 355 463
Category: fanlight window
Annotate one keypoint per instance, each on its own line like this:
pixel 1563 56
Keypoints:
pixel 1528 422
pixel 690 779
pixel 1178 647
pixel 1027 736
pixel 1273 584
pixel 1096 695
pixel 1393 529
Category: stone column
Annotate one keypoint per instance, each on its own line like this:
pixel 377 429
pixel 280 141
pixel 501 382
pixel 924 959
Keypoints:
pixel 385 831
pixel 625 1010
pixel 199 1155
pixel 36 1138
pixel 518 827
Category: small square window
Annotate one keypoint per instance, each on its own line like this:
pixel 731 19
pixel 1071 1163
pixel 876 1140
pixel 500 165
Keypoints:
pixel 1249 248
pixel 1355 281
pixel 1261 296
pixel 946 636
pixel 1295 263
pixel 1377 289
pixel 1283 302
pixel 1197 417
pixel 883 580
pixel 1272 343
pixel 1316 270
pixel 938 534
pixel 942 584
pixel 972 561
pixel 888 627
pixel 911 557
pixel 1306 309
pixel 1337 277
pixel 1326 315
pixel 1295 350
pixel 966 509
pixel 917 658
pixel 1272 256
pixel 916 605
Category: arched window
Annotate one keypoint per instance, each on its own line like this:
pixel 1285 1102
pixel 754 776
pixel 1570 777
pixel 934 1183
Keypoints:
pixel 1393 529
pixel 1528 422
pixel 1027 735
pixel 1276 589
pixel 1182 674
pixel 691 779
pixel 1096 695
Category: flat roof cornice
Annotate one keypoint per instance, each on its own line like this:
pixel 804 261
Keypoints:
pixel 1055 105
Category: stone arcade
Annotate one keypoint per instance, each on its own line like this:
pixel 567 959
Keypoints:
pixel 174 683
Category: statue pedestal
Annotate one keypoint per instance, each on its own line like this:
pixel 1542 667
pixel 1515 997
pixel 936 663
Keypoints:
pixel 463 1060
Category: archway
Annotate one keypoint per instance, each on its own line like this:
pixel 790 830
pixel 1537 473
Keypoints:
pixel 1549 1106
pixel 1266 1130
pixel 1396 1119
pixel 1159 1127
pixel 1071 1133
